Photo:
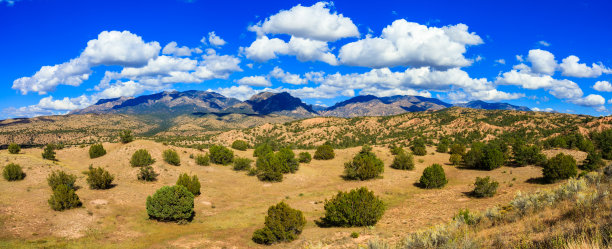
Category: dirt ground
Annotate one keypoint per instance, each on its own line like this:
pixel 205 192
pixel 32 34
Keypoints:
pixel 232 204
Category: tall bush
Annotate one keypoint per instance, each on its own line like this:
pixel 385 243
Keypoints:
pixel 262 150
pixel 202 160
pixel 49 152
pixel 171 157
pixel 592 162
pixel 141 158
pixel 485 187
pixel 221 155
pixel 365 165
pixel 403 160
pixel 57 178
pixel 324 152
pixel 268 168
pixel 359 207
pixel 125 136
pixel 433 177
pixel 191 183
pixel 240 145
pixel 304 157
pixel 64 197
pixel 14 148
pixel 283 224
pixel 561 166
pixel 13 172
pixel 287 160
pixel 242 163
pixel 96 150
pixel 147 173
pixel 99 178
pixel 171 203
pixel 418 147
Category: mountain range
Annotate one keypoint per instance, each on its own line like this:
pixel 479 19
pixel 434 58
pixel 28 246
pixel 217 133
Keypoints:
pixel 267 103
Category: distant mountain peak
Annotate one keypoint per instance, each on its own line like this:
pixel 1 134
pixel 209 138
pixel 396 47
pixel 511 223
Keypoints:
pixel 479 104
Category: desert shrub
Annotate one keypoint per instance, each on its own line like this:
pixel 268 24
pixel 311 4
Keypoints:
pixel 442 147
pixel 262 150
pixel 14 148
pixel 283 224
pixel 141 158
pixel 458 149
pixel 464 216
pixel 57 178
pixel 286 158
pixel 242 163
pixel 171 157
pixel 525 155
pixel 359 207
pixel 99 178
pixel 592 162
pixel 147 174
pixel 304 157
pixel 240 145
pixel 484 157
pixel 268 168
pixel 202 160
pixel 125 136
pixel 191 183
pixel 221 155
pixel 354 235
pixel 403 160
pixel 455 159
pixel 603 140
pixel 171 203
pixel 324 152
pixel 49 152
pixel 365 165
pixel 559 167
pixel 395 149
pixel 485 187
pixel 13 172
pixel 63 198
pixel 418 147
pixel 96 150
pixel 433 177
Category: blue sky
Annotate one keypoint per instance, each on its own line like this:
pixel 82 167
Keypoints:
pixel 549 55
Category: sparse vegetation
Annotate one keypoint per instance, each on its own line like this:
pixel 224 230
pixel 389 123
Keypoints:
pixel 242 163
pixel 304 157
pixel 191 183
pixel 364 166
pixel 403 160
pixel 141 158
pixel 561 166
pixel 219 154
pixel 57 178
pixel 13 172
pixel 49 152
pixel 147 173
pixel 202 160
pixel 324 152
pixel 283 224
pixel 125 136
pixel 96 150
pixel 14 148
pixel 99 178
pixel 240 145
pixel 64 197
pixel 485 187
pixel 359 207
pixel 171 157
pixel 433 177
pixel 171 203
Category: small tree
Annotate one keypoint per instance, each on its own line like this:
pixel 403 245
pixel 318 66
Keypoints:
pixel 442 146
pixel 304 157
pixel 191 183
pixel 433 177
pixel 202 160
pixel 96 150
pixel 141 158
pixel 458 149
pixel 485 187
pixel 240 145
pixel 57 178
pixel 455 159
pixel 395 149
pixel 98 178
pixel 324 152
pixel 125 136
pixel 525 155
pixel 262 150
pixel 359 207
pixel 268 168
pixel 173 203
pixel 286 158
pixel 49 152
pixel 147 174
pixel 404 161
pixel 592 162
pixel 418 147
pixel 242 163
pixel 283 224
pixel 221 155
pixel 13 172
pixel 14 148
pixel 171 157
pixel 365 165
pixel 559 167
pixel 64 198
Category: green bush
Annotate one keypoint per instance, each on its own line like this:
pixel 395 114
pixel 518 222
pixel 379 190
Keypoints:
pixel 13 172
pixel 458 149
pixel 96 150
pixel 147 174
pixel 242 163
pixel 283 224
pixel 240 145
pixel 173 203
pixel 525 155
pixel 354 235
pixel 395 149
pixel 262 150
pixel 442 147
pixel 304 157
pixel 418 147
pixel 603 140
pixel 433 177
pixel 221 155
pixel 484 157
pixel 559 167
pixel 14 148
pixel 141 158
pixel 286 158
pixel 171 157
pixel 49 152
pixel 324 152
pixel 485 187
pixel 455 159
pixel 359 207
pixel 365 165
pixel 64 198
pixel 404 161
pixel 98 178
pixel 269 168
pixel 191 183
pixel 125 136
pixel 202 160
pixel 57 178
pixel 592 162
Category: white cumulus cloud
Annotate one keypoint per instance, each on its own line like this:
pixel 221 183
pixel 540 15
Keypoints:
pixel 590 100
pixel 603 86
pixel 215 40
pixel 542 61
pixel 287 77
pixel 254 81
pixel 570 67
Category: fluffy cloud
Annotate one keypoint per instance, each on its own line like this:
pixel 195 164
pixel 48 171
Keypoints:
pixel 264 49
pixel 214 40
pixel 570 67
pixel 591 100
pixel 71 73
pixel 542 61
pixel 484 95
pixel 565 89
pixel 287 77
pixel 603 86
pixel 50 106
pixel 542 110
pixel 315 22
pixel 173 49
pixel 406 43
pixel 254 81
pixel 241 92
pixel 122 89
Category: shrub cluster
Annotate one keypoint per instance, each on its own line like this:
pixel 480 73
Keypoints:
pixel 433 177
pixel 171 157
pixel 64 197
pixel 394 149
pixel 262 150
pixel 49 152
pixel 559 167
pixel 125 136
pixel 525 155
pixel 283 224
pixel 455 159
pixel 147 173
pixel 242 163
pixel 304 157
pixel 484 157
pixel 485 187
pixel 171 203
pixel 99 178
pixel 240 145
pixel 268 168
pixel 418 147
pixel 191 183
pixel 13 172
pixel 324 152
pixel 359 207
pixel 365 165
pixel 57 178
pixel 14 148
pixel 202 160
pixel 141 158
pixel 592 162
pixel 96 150
pixel 221 155
pixel 403 160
